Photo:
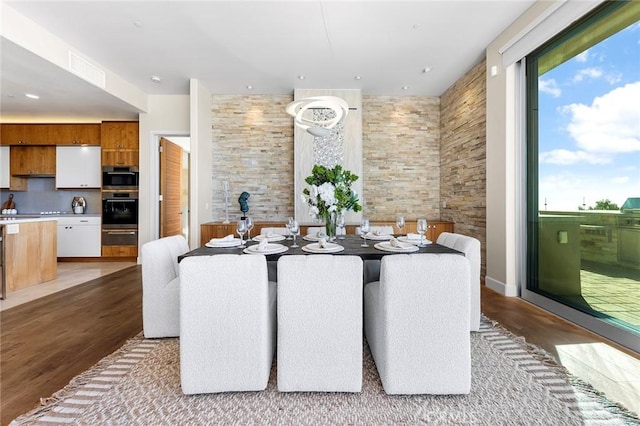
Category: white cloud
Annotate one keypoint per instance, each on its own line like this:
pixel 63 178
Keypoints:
pixel 613 78
pixel 591 73
pixel 549 86
pixel 582 57
pixel 566 191
pixel 620 180
pixel 610 125
pixel 565 157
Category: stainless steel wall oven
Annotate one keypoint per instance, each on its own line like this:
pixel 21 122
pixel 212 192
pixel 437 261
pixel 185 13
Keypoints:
pixel 119 218
pixel 120 178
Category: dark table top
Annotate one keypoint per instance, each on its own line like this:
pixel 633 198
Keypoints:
pixel 351 245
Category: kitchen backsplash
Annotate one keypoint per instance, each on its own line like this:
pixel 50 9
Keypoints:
pixel 43 196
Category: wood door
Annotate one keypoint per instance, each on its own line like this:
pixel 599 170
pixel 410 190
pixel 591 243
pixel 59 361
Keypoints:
pixel 170 188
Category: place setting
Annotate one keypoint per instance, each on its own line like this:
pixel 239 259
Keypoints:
pixel 396 246
pixel 225 242
pixel 323 246
pixel 271 237
pixel 265 247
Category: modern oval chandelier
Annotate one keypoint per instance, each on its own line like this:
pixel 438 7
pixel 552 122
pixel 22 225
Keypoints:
pixel 319 128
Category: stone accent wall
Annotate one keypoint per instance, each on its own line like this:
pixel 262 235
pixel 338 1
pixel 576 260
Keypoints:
pixel 252 140
pixel 463 155
pixel 401 157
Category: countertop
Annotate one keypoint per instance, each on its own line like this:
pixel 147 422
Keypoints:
pixel 24 218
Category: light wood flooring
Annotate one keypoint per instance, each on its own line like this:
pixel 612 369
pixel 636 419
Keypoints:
pixel 46 342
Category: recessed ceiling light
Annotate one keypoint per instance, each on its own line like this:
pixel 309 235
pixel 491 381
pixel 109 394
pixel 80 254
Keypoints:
pixel 137 24
pixel 250 87
pixel 427 69
pixel 156 79
pixel 405 87
pixel 32 96
pixel 357 77
pixel 301 77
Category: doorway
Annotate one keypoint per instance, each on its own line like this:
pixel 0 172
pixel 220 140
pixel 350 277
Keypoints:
pixel 174 186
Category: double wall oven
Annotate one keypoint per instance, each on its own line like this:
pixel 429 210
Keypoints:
pixel 119 206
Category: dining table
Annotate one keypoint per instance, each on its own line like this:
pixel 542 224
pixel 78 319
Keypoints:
pixel 352 247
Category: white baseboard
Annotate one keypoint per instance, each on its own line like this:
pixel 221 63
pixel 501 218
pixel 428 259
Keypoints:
pixel 500 287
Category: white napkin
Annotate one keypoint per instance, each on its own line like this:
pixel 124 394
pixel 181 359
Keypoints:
pixel 217 240
pixel 322 243
pixel 263 244
pixel 394 242
pixel 411 236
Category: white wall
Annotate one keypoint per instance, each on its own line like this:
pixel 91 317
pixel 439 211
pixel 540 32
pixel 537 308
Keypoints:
pixel 167 115
pixel 200 169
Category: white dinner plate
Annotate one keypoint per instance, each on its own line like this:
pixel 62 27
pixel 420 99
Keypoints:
pixel 270 238
pixel 378 237
pixel 404 247
pixel 415 241
pixel 311 237
pixel 221 244
pixel 315 248
pixel 269 249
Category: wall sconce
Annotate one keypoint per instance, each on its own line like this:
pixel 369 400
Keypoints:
pixel 319 128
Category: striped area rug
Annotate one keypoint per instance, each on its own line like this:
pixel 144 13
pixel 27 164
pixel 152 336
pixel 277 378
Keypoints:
pixel 512 383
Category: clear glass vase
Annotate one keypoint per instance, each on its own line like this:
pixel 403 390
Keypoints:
pixel 330 225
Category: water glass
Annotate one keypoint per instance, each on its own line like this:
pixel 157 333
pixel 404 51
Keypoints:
pixel 400 222
pixel 295 230
pixel 364 230
pixel 422 229
pixel 340 224
pixel 241 228
pixel 249 222
pixel 288 225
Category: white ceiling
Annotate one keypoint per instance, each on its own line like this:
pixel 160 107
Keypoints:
pixel 229 45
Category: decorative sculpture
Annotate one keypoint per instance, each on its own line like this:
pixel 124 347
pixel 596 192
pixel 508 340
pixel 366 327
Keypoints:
pixel 244 203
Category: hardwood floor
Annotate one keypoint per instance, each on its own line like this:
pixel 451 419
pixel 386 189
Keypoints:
pixel 48 341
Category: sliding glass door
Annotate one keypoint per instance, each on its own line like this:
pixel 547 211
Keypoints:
pixel 583 172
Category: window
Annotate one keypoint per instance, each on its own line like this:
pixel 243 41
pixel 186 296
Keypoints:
pixel 583 163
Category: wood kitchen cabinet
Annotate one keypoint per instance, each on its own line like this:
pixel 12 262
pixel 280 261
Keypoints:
pixel 25 134
pixel 50 134
pixel 119 140
pixel 33 160
pixel 76 134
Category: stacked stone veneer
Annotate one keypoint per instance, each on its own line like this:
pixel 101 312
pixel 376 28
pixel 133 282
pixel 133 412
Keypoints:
pixel 417 153
pixel 401 157
pixel 252 140
pixel 463 156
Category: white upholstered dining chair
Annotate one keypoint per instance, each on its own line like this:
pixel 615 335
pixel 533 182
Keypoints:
pixel 416 321
pixel 471 248
pixel 161 286
pixel 227 323
pixel 319 323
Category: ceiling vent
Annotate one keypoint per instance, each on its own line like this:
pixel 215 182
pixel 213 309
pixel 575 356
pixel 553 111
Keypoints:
pixel 84 69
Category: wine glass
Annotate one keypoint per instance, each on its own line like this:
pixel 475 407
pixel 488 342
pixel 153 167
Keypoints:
pixel 422 229
pixel 241 228
pixel 249 222
pixel 364 229
pixel 294 227
pixel 288 225
pixel 340 224
pixel 400 222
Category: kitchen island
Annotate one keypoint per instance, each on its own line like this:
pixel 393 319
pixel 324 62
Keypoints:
pixel 28 252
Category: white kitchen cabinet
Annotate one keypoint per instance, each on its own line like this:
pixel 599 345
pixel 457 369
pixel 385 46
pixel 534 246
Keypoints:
pixel 78 167
pixel 5 175
pixel 79 236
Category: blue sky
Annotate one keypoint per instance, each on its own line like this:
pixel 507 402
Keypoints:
pixel 589 125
